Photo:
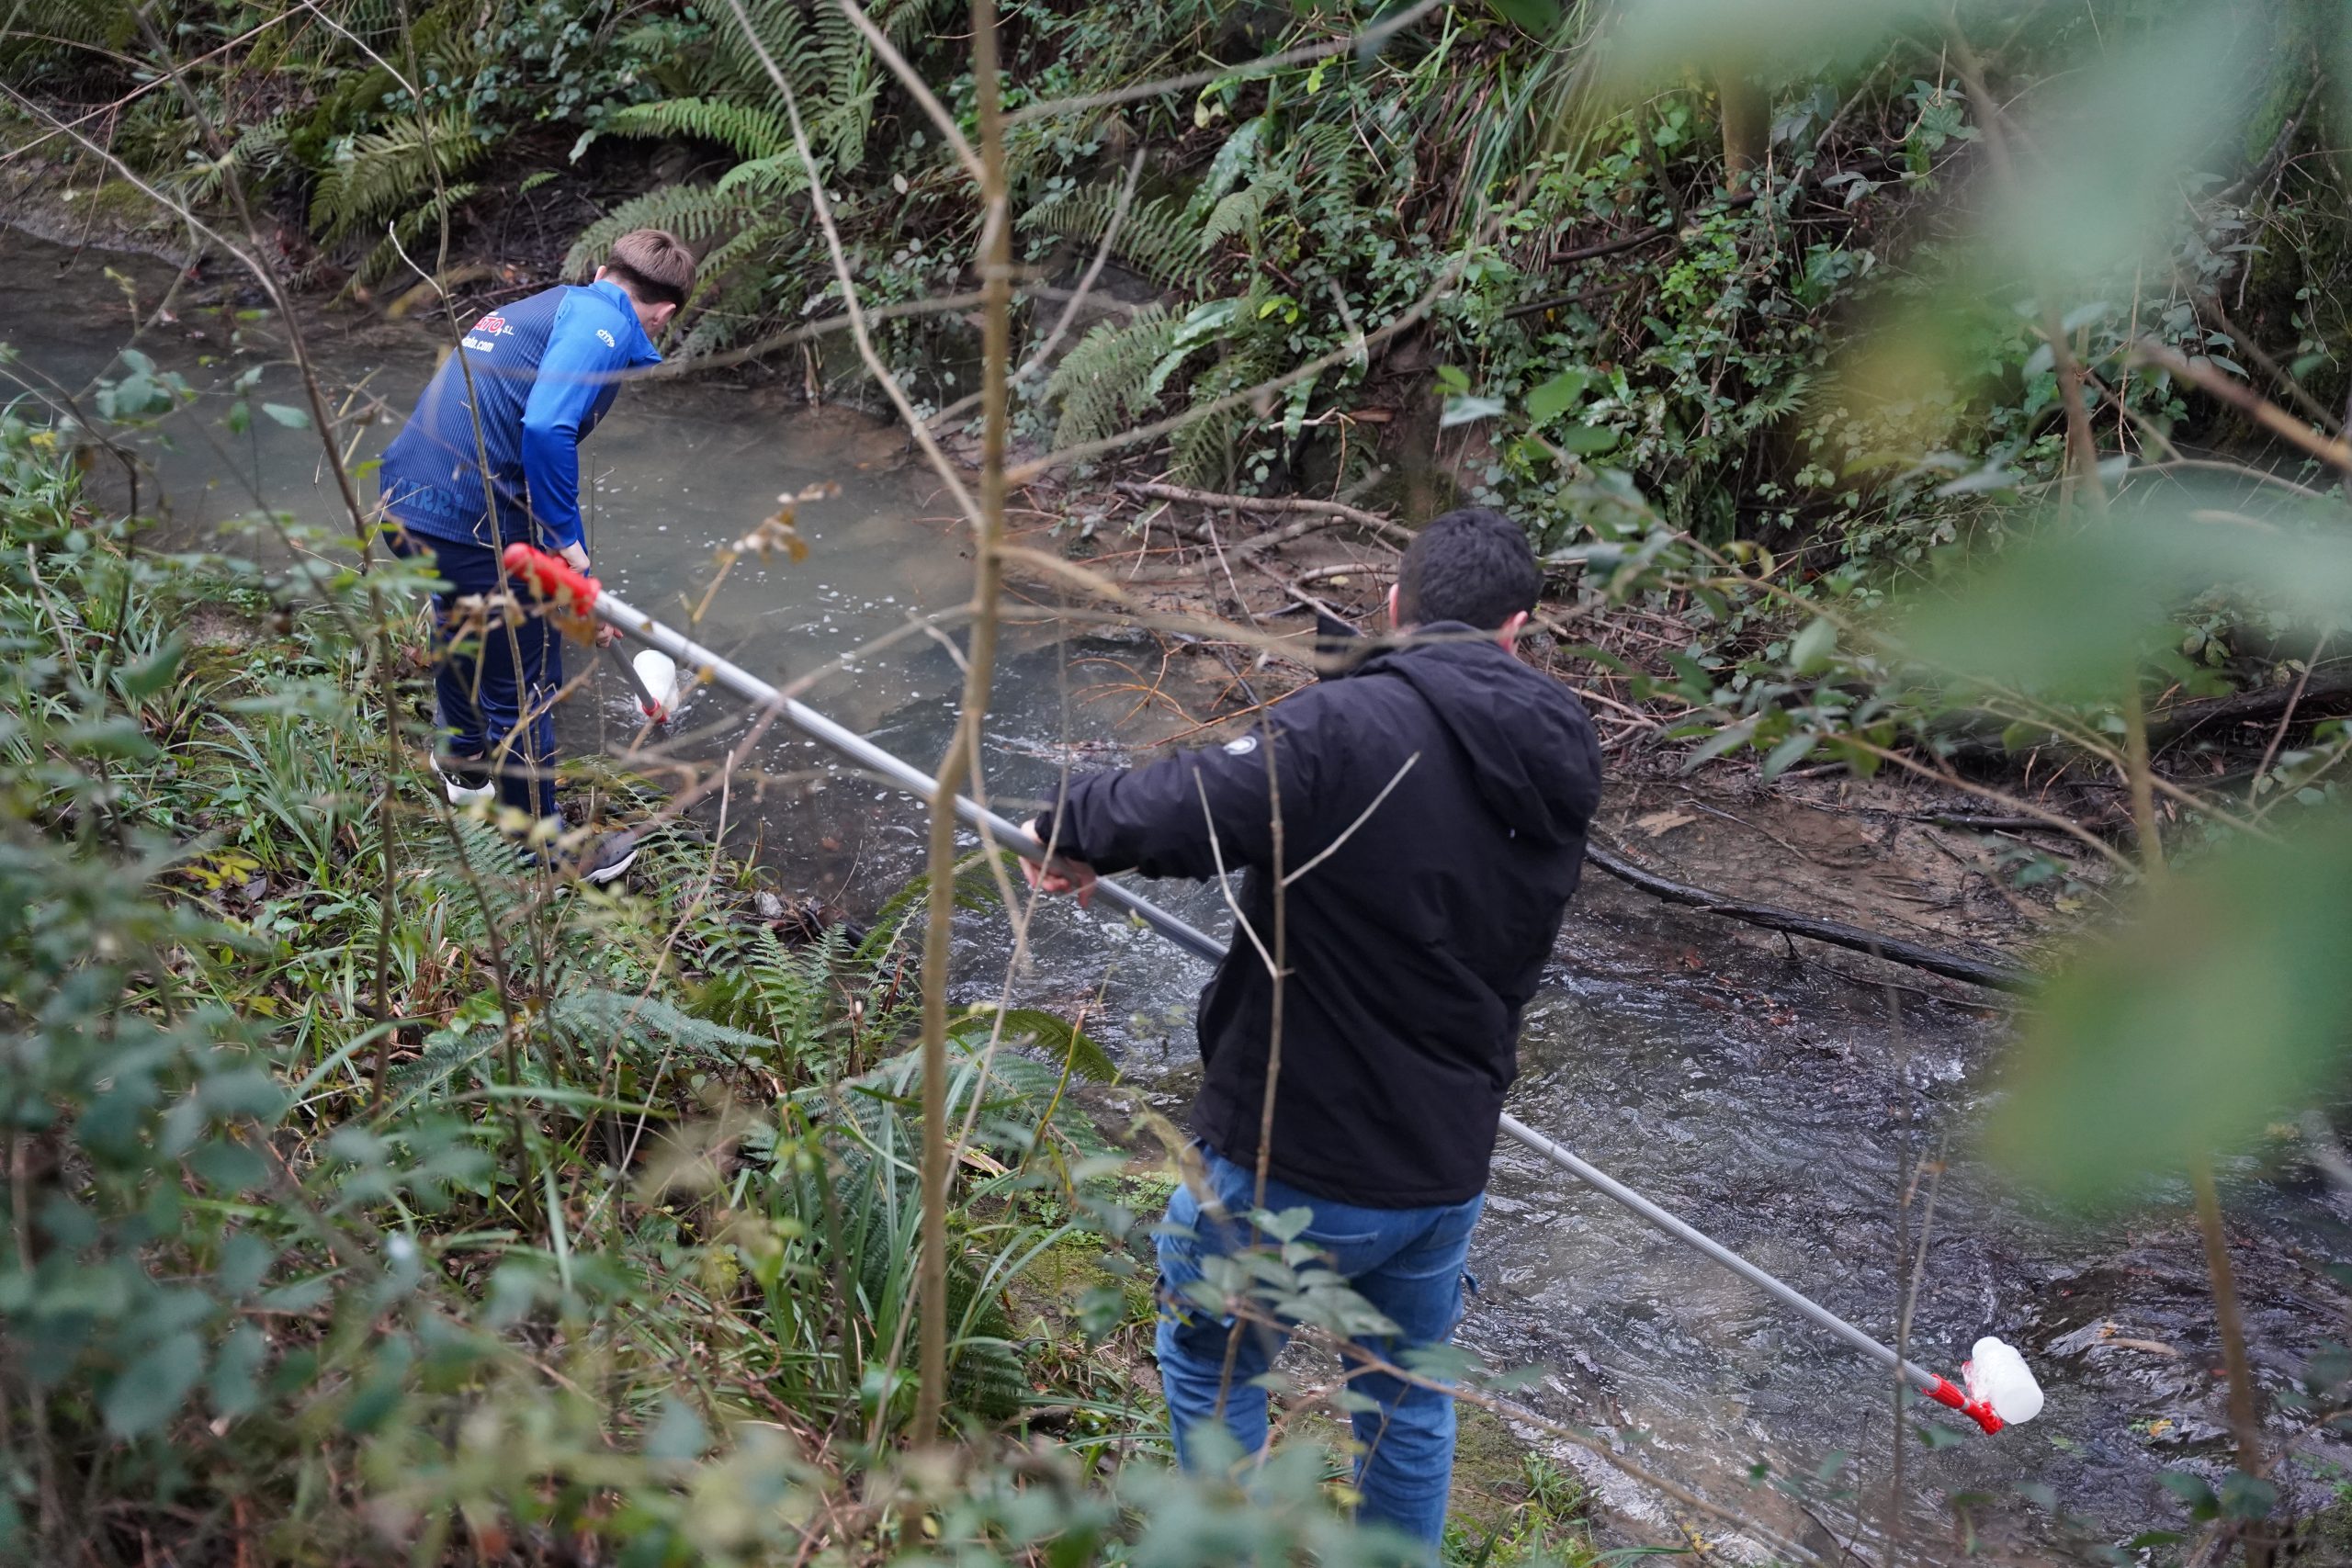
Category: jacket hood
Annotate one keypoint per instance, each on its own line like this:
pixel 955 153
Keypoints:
pixel 1531 744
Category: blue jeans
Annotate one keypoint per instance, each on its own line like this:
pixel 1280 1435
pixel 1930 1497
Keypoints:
pixel 1406 1262
pixel 484 680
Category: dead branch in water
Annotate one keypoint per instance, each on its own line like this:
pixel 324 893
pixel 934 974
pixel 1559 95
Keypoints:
pixel 1835 933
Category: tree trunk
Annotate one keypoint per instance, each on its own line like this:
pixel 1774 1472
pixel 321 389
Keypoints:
pixel 1747 127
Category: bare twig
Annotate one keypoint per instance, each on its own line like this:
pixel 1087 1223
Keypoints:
pixel 2208 377
pixel 996 356
pixel 1337 511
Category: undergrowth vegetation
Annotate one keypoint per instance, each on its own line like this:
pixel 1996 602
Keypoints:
pixel 371 1193
pixel 1809 300
pixel 1951 389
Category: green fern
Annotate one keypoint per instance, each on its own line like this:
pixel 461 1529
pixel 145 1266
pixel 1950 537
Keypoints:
pixel 765 179
pixel 1099 383
pixel 830 67
pixel 1157 238
pixel 409 232
pixel 1054 1037
pixel 697 214
pixel 446 1054
pixel 259 150
pixel 1238 212
pixel 754 133
pixel 376 175
pixel 37 26
pixel 1321 161
pixel 765 990
pixel 601 1019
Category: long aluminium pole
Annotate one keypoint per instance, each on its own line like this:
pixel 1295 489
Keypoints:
pixel 559 581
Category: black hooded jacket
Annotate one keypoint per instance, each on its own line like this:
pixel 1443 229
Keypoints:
pixel 1434 803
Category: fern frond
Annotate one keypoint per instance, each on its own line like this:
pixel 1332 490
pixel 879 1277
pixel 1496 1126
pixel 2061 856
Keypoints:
pixel 1098 383
pixel 447 1053
pixel 697 214
pixel 1157 238
pixel 375 176
pixel 34 26
pixel 1202 449
pixel 258 149
pixel 765 990
pixel 1055 1038
pixel 409 232
pixel 1237 213
pixel 754 132
pixel 782 27
pixel 605 1020
pixel 903 21
pixel 765 179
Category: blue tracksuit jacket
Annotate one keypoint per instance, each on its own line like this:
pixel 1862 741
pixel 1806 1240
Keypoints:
pixel 545 371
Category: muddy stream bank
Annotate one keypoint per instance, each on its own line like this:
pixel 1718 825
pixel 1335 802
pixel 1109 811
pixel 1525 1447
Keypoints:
pixel 1767 1091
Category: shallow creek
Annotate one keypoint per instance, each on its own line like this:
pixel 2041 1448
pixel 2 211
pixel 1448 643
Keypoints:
pixel 1772 1104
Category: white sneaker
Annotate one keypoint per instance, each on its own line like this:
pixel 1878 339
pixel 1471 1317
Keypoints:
pixel 608 858
pixel 462 782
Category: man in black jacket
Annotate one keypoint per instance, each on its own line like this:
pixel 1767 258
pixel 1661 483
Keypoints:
pixel 1430 826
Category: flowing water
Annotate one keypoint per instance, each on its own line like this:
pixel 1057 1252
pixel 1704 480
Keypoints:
pixel 1769 1103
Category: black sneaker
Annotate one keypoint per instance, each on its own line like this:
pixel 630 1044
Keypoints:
pixel 464 780
pixel 608 858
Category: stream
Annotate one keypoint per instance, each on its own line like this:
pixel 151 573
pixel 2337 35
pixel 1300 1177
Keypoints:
pixel 1769 1100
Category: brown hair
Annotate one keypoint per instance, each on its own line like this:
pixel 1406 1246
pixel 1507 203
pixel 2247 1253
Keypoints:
pixel 653 265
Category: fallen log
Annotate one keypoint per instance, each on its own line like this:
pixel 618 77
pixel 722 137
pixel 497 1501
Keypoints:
pixel 2325 692
pixel 1835 933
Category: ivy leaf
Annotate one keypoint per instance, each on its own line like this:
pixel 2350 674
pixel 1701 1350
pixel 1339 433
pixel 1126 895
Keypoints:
pixel 1587 440
pixel 291 418
pixel 679 1435
pixel 1459 410
pixel 1789 753
pixel 151 674
pixel 2248 1496
pixel 1287 1225
pixel 148 1392
pixel 1556 396
pixel 235 1386
pixel 1810 653
pixel 1729 739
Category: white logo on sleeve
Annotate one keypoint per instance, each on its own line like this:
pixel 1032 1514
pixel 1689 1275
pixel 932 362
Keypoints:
pixel 605 337
pixel 1241 746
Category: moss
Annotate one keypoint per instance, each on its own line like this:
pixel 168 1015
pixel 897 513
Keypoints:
pixel 2327 1534
pixel 119 201
pixel 1511 1503
pixel 1489 1470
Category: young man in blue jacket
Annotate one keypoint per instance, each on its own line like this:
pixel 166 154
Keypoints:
pixel 1433 805
pixel 490 456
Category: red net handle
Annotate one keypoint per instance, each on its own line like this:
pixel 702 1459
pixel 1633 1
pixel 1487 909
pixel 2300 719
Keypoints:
pixel 1942 1391
pixel 556 579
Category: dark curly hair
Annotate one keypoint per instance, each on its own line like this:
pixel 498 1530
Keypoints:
pixel 1472 565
